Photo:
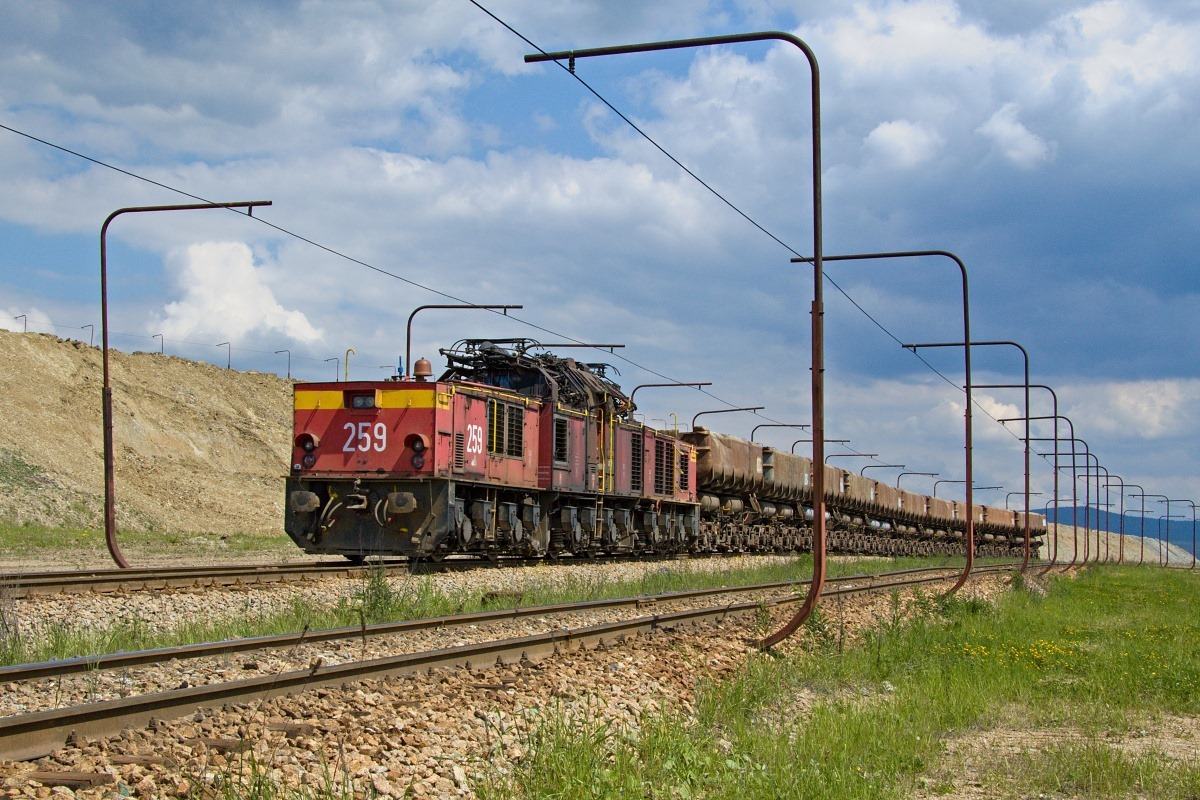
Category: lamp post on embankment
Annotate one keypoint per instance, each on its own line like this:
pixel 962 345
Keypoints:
pixel 110 489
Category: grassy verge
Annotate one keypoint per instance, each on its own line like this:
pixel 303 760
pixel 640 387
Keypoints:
pixel 381 599
pixel 24 540
pixel 1097 655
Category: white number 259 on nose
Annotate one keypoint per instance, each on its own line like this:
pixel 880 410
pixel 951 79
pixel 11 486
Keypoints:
pixel 364 437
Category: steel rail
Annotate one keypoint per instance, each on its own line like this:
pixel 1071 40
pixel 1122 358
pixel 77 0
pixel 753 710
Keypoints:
pixel 19 585
pixel 28 584
pixel 133 658
pixel 40 733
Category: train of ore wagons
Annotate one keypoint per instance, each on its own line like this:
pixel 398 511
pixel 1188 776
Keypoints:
pixel 517 451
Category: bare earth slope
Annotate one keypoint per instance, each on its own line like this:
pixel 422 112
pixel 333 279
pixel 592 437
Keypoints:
pixel 199 448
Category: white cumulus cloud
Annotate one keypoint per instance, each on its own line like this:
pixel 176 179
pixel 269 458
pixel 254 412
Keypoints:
pixel 1015 142
pixel 1140 409
pixel 225 294
pixel 903 143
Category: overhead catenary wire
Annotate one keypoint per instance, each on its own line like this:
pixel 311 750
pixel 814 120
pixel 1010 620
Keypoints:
pixel 416 284
pixel 723 199
pixel 352 259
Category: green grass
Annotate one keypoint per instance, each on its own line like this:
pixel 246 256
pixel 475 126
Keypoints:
pixel 1098 770
pixel 22 540
pixel 247 776
pixel 1099 653
pixel 17 472
pixel 381 599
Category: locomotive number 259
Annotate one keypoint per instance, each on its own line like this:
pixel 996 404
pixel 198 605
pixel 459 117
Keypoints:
pixel 364 437
pixel 474 438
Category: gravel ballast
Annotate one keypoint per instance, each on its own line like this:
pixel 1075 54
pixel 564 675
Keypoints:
pixel 433 734
pixel 37 615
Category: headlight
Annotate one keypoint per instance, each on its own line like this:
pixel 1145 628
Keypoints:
pixel 418 461
pixel 307 442
pixel 308 460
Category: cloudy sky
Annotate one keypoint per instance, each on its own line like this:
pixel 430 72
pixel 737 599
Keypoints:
pixel 1052 144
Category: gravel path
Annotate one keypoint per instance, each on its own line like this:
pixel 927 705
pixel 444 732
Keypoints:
pixel 430 734
pixel 36 616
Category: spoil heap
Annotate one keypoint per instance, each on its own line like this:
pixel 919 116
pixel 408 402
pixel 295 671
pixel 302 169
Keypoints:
pixel 199 448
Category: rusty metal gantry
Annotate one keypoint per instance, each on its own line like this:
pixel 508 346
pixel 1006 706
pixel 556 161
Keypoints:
pixel 818 300
pixel 1121 540
pixel 445 306
pixel 693 384
pixel 754 431
pixel 968 437
pixel 110 489
pixel 1025 356
pixel 751 409
pixel 1055 417
pixel 1054 414
pixel 1144 495
pixel 1089 457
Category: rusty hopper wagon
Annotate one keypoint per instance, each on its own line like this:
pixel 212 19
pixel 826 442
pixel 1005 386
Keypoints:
pixel 517 451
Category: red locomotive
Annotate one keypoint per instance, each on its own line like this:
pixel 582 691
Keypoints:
pixel 514 450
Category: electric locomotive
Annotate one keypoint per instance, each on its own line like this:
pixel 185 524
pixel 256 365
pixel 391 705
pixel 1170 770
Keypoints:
pixel 517 451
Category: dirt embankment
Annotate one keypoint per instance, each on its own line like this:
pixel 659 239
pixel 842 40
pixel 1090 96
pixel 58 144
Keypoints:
pixel 198 448
pixel 1149 551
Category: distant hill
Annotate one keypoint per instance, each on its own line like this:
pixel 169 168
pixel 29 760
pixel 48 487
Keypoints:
pixel 1179 531
pixel 199 448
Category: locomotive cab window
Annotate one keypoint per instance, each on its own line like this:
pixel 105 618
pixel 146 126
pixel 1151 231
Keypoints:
pixel 506 429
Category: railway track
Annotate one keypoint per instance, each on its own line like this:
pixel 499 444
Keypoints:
pixel 105 581
pixel 40 733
